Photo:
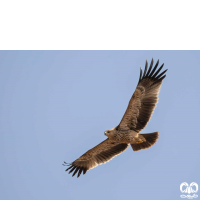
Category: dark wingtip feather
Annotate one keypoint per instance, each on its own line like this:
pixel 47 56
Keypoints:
pixel 152 73
pixel 79 173
pixel 158 71
pixel 154 69
pixel 145 70
pixel 69 168
pixel 160 77
pixel 150 68
pixel 140 74
pixel 73 168
pixel 157 77
pixel 77 168
pixel 66 164
pixel 84 170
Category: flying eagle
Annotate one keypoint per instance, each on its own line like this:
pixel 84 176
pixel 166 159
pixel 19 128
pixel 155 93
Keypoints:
pixel 135 119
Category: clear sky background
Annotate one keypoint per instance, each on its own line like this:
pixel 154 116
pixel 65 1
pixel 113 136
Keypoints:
pixel 55 105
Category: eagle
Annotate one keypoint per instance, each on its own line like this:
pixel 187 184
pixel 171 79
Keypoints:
pixel 135 119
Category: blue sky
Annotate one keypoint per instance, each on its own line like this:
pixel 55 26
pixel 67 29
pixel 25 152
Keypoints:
pixel 55 105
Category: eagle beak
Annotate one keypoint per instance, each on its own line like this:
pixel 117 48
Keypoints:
pixel 105 133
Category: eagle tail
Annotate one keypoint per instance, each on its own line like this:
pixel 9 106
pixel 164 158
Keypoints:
pixel 150 138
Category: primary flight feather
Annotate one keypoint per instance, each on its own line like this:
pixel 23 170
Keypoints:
pixel 136 117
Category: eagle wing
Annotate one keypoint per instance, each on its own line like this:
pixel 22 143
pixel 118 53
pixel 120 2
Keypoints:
pixel 144 99
pixel 101 153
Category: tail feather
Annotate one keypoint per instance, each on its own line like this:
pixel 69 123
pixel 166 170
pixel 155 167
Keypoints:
pixel 150 138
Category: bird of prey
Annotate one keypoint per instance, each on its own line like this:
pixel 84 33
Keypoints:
pixel 136 117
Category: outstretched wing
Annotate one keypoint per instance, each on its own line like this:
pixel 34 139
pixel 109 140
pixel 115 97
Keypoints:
pixel 101 153
pixel 144 99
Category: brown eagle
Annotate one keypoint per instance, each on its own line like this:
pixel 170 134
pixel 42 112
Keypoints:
pixel 136 117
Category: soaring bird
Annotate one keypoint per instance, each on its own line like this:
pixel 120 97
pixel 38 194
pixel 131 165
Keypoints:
pixel 135 119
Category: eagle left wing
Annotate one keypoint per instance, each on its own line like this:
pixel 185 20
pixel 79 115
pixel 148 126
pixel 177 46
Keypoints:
pixel 144 99
pixel 101 153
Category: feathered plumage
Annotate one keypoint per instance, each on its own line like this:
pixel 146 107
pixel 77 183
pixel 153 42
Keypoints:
pixel 136 117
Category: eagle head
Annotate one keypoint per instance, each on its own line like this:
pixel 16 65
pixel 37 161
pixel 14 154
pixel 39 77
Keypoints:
pixel 110 133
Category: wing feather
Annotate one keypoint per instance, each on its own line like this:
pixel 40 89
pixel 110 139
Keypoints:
pixel 145 70
pixel 144 99
pixel 100 154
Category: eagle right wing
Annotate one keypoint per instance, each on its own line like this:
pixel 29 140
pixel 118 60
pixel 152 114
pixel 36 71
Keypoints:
pixel 101 153
pixel 144 99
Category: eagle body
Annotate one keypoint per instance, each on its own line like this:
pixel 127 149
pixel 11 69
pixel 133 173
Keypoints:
pixel 135 119
pixel 127 136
